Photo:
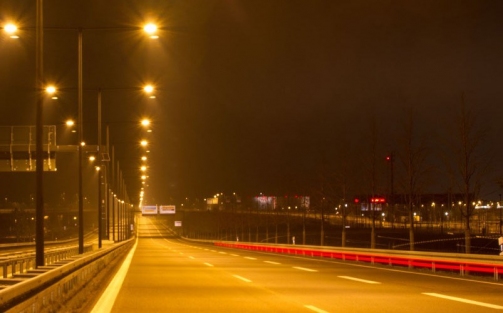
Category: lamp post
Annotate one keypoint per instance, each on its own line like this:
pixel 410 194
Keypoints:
pixel 39 59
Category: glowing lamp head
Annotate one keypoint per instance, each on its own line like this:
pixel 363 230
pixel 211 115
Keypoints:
pixel 50 90
pixel 148 88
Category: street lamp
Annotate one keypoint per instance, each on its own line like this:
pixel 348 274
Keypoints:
pixel 11 30
pixel 151 30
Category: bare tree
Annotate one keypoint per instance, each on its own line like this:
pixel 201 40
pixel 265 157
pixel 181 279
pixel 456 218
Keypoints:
pixel 469 164
pixel 413 155
pixel 370 162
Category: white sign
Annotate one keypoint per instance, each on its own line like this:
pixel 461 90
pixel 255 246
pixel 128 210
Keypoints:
pixel 167 209
pixel 149 210
pixel 178 223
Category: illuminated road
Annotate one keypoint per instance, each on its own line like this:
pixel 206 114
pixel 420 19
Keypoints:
pixel 168 275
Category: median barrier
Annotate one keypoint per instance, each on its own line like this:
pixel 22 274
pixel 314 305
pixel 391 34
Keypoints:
pixel 463 264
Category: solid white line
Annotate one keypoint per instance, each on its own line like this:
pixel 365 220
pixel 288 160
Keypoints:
pixel 315 309
pixel 271 262
pixel 211 265
pixel 304 269
pixel 249 258
pixel 360 280
pixel 222 252
pixel 242 278
pixel 107 299
pixel 487 305
pixel 235 254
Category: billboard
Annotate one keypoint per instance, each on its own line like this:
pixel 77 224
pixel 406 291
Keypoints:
pixel 167 209
pixel 149 210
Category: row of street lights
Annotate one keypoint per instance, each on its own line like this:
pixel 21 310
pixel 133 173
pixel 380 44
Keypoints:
pixel 12 30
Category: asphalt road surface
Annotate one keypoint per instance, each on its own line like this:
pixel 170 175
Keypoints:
pixel 169 275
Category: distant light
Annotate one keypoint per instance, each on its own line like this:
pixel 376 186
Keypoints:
pixel 145 122
pixel 144 158
pixel 70 123
pixel 92 158
pixel 97 168
pixel 82 143
pixel 144 143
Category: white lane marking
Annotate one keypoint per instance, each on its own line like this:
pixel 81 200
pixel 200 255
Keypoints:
pixel 213 250
pixel 304 269
pixel 249 258
pixel 271 262
pixel 210 265
pixel 487 305
pixel 360 280
pixel 235 254
pixel 315 309
pixel 191 257
pixel 222 252
pixel 107 299
pixel 242 278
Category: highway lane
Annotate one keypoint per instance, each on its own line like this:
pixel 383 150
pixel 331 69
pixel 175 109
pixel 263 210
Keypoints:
pixel 167 274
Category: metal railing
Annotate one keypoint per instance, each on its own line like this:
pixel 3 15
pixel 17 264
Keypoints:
pixel 463 264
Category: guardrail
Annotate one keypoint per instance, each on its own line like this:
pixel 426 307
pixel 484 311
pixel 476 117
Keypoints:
pixel 463 264
pixel 50 286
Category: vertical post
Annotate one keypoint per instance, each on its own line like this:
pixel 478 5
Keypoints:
pixel 391 201
pixel 100 164
pixel 107 185
pixel 500 208
pixel 39 233
pixel 114 192
pixel 119 195
pixel 81 140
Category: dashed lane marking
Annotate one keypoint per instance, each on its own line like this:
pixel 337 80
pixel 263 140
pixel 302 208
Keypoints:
pixel 315 309
pixel 242 278
pixel 359 280
pixel 304 269
pixel 271 262
pixel 487 305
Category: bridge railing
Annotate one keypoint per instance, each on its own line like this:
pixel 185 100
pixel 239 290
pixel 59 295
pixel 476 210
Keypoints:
pixel 51 286
pixel 22 263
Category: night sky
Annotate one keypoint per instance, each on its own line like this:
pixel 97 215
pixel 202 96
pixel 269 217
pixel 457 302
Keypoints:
pixel 264 95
